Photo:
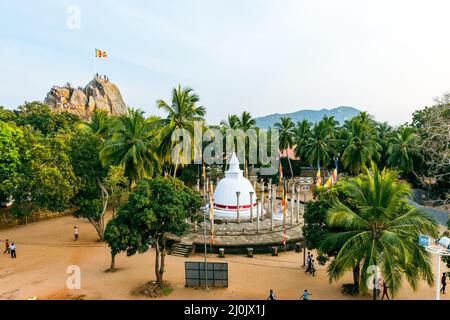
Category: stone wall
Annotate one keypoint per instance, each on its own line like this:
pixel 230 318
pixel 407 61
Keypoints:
pixel 7 219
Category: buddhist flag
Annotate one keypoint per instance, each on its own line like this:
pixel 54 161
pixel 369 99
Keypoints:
pixel 329 182
pixel 100 53
pixel 334 175
pixel 280 171
pixel 318 177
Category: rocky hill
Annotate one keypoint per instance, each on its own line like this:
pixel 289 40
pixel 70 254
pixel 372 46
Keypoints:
pixel 340 114
pixel 99 93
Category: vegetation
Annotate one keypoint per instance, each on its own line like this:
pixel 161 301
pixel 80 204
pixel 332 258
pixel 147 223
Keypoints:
pixel 380 230
pixel 155 208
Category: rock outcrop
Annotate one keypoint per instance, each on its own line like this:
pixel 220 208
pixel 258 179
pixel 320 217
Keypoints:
pixel 99 93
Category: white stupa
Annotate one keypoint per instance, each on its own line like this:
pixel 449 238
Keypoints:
pixel 225 198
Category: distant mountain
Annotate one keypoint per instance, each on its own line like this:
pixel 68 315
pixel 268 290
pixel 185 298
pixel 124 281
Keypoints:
pixel 340 114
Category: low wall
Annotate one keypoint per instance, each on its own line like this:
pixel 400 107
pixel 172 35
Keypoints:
pixel 7 219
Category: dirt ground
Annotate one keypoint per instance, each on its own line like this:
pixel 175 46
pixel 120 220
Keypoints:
pixel 46 249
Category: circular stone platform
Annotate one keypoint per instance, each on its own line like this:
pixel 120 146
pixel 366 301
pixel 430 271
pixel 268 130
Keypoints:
pixel 237 237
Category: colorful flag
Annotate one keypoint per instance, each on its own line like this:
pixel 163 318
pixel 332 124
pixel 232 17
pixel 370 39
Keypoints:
pixel 334 175
pixel 204 171
pixel 329 182
pixel 280 171
pixel 100 54
pixel 318 177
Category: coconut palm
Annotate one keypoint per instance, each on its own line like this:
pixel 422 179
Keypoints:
pixel 132 145
pixel 246 121
pixel 379 229
pixel 98 124
pixel 360 147
pixel 231 123
pixel 403 149
pixel 318 148
pixel 383 135
pixel 302 132
pixel 286 136
pixel 182 112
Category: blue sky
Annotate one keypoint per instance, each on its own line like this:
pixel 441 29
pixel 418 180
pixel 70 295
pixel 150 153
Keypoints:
pixel 386 57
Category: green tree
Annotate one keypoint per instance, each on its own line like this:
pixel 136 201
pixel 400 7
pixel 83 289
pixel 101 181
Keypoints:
pixel 360 146
pixel 382 230
pixel 302 132
pixel 231 123
pixel 117 185
pixel 99 123
pixel 118 236
pixel 46 179
pixel 11 156
pixel 7 115
pixel 155 208
pixel 41 117
pixel 403 150
pixel 182 112
pixel 286 136
pixel 319 147
pixel 132 145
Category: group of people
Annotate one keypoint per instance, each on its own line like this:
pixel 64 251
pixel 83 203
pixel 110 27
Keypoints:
pixel 310 265
pixel 10 248
pixel 304 296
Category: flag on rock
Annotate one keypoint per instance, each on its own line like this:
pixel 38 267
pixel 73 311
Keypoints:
pixel 318 177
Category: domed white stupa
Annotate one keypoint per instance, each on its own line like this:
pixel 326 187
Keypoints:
pixel 225 198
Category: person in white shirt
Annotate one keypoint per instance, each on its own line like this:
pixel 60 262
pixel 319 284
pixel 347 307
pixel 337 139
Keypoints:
pixel 12 248
pixel 75 233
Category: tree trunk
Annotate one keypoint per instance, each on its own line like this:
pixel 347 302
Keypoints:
pixel 356 275
pixel 175 170
pixel 163 258
pixel 290 165
pixel 113 262
pixel 157 253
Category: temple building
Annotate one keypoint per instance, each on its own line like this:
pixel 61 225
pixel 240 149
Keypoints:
pixel 226 198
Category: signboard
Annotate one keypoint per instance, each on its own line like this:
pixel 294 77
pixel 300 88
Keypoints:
pixel 195 274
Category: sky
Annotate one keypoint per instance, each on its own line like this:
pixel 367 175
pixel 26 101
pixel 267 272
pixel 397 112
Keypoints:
pixel 385 57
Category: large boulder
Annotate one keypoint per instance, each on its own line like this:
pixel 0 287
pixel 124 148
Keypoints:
pixel 98 93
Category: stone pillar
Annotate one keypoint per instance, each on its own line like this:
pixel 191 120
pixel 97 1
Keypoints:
pixel 292 211
pixel 258 203
pixel 298 202
pixel 237 208
pixel 269 187
pixel 198 184
pixel 254 185
pixel 251 206
pixel 262 200
pixel 269 208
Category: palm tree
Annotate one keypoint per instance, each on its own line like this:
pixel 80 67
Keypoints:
pixel 302 132
pixel 182 113
pixel 403 149
pixel 99 123
pixel 231 123
pixel 246 121
pixel 286 136
pixel 318 148
pixel 360 147
pixel 379 229
pixel 132 145
pixel 383 135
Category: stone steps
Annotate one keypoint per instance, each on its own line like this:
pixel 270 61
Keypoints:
pixel 182 249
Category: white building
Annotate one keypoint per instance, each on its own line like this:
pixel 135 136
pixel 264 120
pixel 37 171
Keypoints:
pixel 225 198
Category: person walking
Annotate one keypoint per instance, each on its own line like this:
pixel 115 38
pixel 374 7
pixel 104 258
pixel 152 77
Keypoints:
pixel 271 295
pixel 6 247
pixel 306 294
pixel 75 233
pixel 443 282
pixel 308 263
pixel 385 291
pixel 313 268
pixel 12 249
